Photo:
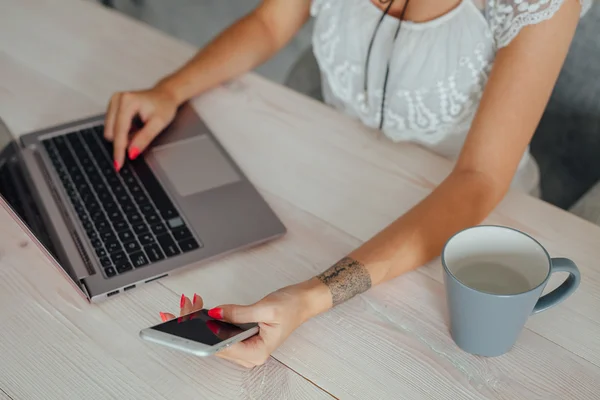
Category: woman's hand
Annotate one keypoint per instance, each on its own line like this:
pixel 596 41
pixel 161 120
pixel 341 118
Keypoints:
pixel 155 107
pixel 277 315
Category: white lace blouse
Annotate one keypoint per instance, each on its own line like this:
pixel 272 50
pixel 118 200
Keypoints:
pixel 438 69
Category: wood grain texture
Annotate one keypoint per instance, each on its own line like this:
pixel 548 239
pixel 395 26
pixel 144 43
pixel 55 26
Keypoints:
pixel 57 346
pixel 358 182
pixel 333 182
pixel 4 395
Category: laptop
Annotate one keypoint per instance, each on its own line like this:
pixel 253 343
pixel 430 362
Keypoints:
pixel 184 201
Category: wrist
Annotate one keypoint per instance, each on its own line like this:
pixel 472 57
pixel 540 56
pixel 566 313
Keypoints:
pixel 314 296
pixel 169 87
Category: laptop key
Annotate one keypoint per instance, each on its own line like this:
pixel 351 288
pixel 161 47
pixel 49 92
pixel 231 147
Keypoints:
pixel 110 272
pixel 124 267
pixel 138 259
pixel 123 199
pixel 134 188
pixel 181 233
pixel 96 243
pixel 112 246
pixel 101 252
pixel 154 253
pixel 109 204
pixel 147 209
pixel 118 257
pixel 113 180
pixel 107 235
pixel 152 218
pixel 105 262
pixel 134 217
pixel 104 196
pixel 126 235
pixel 92 206
pixel 88 226
pixel 118 190
pixel 102 225
pixel 92 234
pixel 132 247
pixel 140 198
pixel 129 208
pixel 79 209
pixel 146 239
pixel 140 229
pixel 120 225
pixel 98 216
pixel 188 245
pixel 168 245
pixel 114 215
pixel 158 229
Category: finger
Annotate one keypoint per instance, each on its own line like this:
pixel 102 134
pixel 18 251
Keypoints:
pixel 127 110
pixel 109 120
pixel 186 307
pixel 243 363
pixel 166 316
pixel 252 350
pixel 197 303
pixel 258 312
pixel 145 136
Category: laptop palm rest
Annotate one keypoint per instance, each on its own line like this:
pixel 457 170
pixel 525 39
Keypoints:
pixel 194 165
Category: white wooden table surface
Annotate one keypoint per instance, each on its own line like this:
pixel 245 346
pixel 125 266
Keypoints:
pixel 333 183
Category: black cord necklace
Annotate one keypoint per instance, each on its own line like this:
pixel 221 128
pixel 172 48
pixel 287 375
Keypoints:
pixel 387 71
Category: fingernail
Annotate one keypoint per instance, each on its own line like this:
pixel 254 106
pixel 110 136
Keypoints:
pixel 182 303
pixel 195 299
pixel 216 313
pixel 117 165
pixel 163 317
pixel 133 153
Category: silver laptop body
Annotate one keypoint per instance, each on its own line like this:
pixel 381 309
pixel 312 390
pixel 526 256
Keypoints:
pixel 215 208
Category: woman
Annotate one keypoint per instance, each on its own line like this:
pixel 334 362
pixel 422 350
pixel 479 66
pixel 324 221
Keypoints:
pixel 469 79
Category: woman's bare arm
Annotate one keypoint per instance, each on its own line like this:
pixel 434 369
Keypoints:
pixel 243 46
pixel 246 44
pixel 519 86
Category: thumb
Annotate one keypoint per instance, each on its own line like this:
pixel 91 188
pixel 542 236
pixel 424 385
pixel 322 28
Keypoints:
pixel 145 136
pixel 237 314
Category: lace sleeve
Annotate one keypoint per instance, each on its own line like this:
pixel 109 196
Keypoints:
pixel 316 6
pixel 508 17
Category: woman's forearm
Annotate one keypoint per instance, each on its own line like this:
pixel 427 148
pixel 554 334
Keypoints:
pixel 240 48
pixel 462 200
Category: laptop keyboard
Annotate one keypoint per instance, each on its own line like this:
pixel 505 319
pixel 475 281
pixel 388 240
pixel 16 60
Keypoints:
pixel 128 218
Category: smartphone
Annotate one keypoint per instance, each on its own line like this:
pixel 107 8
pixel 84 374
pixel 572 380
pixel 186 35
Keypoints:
pixel 198 334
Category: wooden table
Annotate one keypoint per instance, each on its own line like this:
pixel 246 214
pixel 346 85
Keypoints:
pixel 62 59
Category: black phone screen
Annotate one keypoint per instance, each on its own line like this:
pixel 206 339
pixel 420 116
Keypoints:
pixel 199 327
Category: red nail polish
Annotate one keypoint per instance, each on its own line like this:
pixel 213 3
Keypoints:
pixel 116 165
pixel 133 153
pixel 214 328
pixel 195 299
pixel 216 313
pixel 163 317
pixel 182 303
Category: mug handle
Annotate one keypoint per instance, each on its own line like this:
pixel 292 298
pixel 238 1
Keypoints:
pixel 564 290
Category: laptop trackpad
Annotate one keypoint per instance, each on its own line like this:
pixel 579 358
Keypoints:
pixel 194 165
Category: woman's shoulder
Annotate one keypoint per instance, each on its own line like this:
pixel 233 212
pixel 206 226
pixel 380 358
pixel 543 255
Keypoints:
pixel 508 17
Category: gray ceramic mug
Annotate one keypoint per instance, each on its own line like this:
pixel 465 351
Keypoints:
pixel 494 278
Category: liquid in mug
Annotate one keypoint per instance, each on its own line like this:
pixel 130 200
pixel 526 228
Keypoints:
pixel 493 278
